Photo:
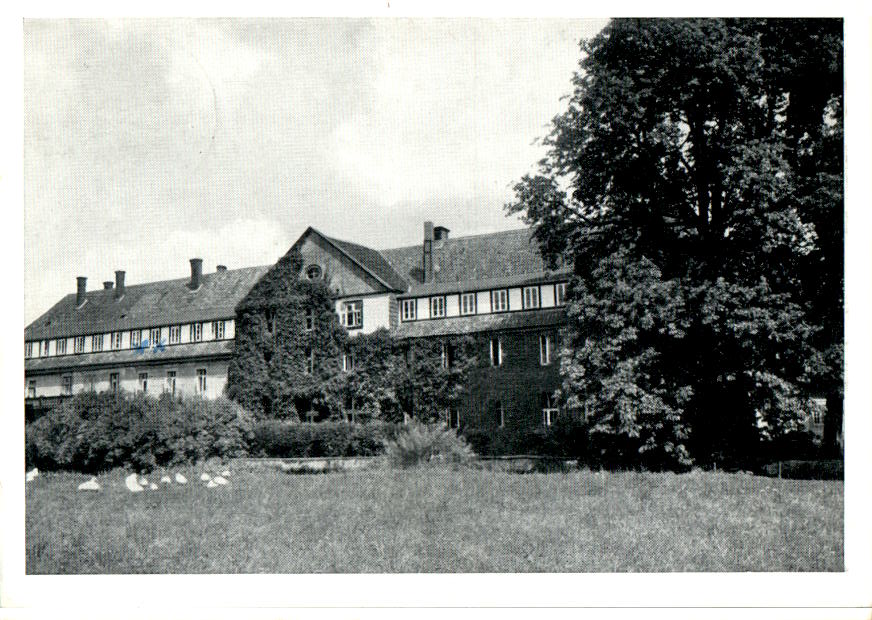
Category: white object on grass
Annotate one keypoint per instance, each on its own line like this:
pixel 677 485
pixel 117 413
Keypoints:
pixel 212 484
pixel 181 479
pixel 152 486
pixel 205 477
pixel 219 480
pixel 166 479
pixel 143 482
pixel 33 473
pixel 132 485
pixel 226 473
pixel 91 485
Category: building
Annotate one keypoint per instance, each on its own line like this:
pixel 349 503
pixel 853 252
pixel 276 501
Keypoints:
pixel 177 335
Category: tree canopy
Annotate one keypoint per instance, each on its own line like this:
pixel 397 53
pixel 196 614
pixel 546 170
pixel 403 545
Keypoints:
pixel 695 184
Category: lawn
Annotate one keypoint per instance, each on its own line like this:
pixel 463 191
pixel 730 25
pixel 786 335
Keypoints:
pixel 436 520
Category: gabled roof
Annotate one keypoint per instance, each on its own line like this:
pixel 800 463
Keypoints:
pixel 147 305
pixel 501 257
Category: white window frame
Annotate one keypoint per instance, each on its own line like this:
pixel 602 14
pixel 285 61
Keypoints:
pixel 437 307
pixel 352 314
pixel 409 309
pixel 468 304
pixel 67 385
pixel 443 354
pixel 114 382
pixel 546 349
pixel 500 300
pixel 501 414
pixel 496 351
pixel 347 362
pixel 61 346
pixel 116 340
pixel 196 332
pixel 549 411
pixel 97 342
pixel 78 344
pixel 135 338
pixel 560 293
pixel 175 334
pixel 28 349
pixel 31 388
pixel 143 382
pixel 154 331
pixel 530 298
pixel 201 381
pixel 218 330
pixel 170 385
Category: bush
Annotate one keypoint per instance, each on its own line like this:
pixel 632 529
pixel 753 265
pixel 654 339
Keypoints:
pixel 273 438
pixel 93 432
pixel 567 438
pixel 806 470
pixel 419 443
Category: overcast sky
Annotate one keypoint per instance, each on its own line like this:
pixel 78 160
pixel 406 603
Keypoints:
pixel 151 142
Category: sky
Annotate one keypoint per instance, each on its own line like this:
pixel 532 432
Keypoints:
pixel 149 142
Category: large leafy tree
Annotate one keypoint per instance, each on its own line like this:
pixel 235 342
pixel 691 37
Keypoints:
pixel 695 184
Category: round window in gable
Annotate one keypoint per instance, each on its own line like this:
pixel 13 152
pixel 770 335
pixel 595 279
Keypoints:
pixel 313 272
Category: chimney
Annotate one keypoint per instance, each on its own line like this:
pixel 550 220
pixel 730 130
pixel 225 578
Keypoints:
pixel 196 273
pixel 81 284
pixel 221 268
pixel 428 252
pixel 119 284
pixel 107 285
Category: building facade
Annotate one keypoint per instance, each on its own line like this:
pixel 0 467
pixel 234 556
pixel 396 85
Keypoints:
pixel 177 336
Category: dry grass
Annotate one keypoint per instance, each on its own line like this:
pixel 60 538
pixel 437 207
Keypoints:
pixel 436 520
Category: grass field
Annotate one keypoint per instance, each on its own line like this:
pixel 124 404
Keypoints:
pixel 436 520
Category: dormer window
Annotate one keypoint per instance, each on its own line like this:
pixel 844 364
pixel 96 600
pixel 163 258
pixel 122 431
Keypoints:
pixel 78 344
pixel 61 346
pixel 313 272
pixel 437 307
pixel 196 332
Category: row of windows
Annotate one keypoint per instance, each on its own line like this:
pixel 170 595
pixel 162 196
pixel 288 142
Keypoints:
pixel 550 411
pixel 547 346
pixel 142 379
pixel 136 340
pixel 499 302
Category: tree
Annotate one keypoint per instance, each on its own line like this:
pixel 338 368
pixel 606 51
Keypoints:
pixel 694 184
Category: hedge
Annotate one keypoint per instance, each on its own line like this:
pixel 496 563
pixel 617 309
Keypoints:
pixel 273 438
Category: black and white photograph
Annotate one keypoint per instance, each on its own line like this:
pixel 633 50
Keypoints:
pixel 423 295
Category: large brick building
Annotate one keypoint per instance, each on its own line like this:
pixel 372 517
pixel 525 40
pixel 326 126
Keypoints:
pixel 178 335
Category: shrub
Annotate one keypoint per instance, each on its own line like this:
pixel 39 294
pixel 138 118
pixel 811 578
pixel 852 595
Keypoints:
pixel 273 438
pixel 93 432
pixel 419 443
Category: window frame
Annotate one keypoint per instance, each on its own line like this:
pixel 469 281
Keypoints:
pixel 67 385
pixel 152 341
pixel 170 382
pixel 309 353
pixel 201 381
pixel 560 294
pixel 501 414
pixel 142 382
pixel 453 418
pixel 31 388
pixel 61 346
pixel 347 361
pixel 46 348
pixel 28 349
pixel 219 329
pixel 175 334
pixel 531 298
pixel 550 410
pixel 352 310
pixel 496 351
pixel 409 309
pixel 116 340
pixel 97 343
pixel 437 307
pixel 474 305
pixel 135 342
pixel 78 345
pixel 546 350
pixel 114 382
pixel 503 295
pixel 196 332
pixel 309 319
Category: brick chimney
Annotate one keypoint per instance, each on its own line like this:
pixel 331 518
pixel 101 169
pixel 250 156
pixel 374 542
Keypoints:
pixel 108 284
pixel 81 284
pixel 196 273
pixel 427 263
pixel 119 284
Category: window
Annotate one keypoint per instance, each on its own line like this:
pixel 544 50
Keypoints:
pixel 31 388
pixel 817 416
pixel 545 349
pixel 116 340
pixel 78 344
pixel 143 382
pixel 201 381
pixel 560 293
pixel 135 337
pixel 453 418
pixel 171 382
pixel 313 272
pixel 310 360
pixel 499 301
pixel 496 351
pixel 347 362
pixel 444 354
pixel 499 414
pixel 196 332
pixel 113 382
pixel 310 319
pixel 437 307
pixel 97 342
pixel 468 303
pixel 61 346
pixel 352 314
pixel 154 336
pixel 175 334
pixel 549 409
pixel 28 349
pixel 409 309
pixel 218 330
pixel 67 384
pixel 531 297
pixel 45 349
